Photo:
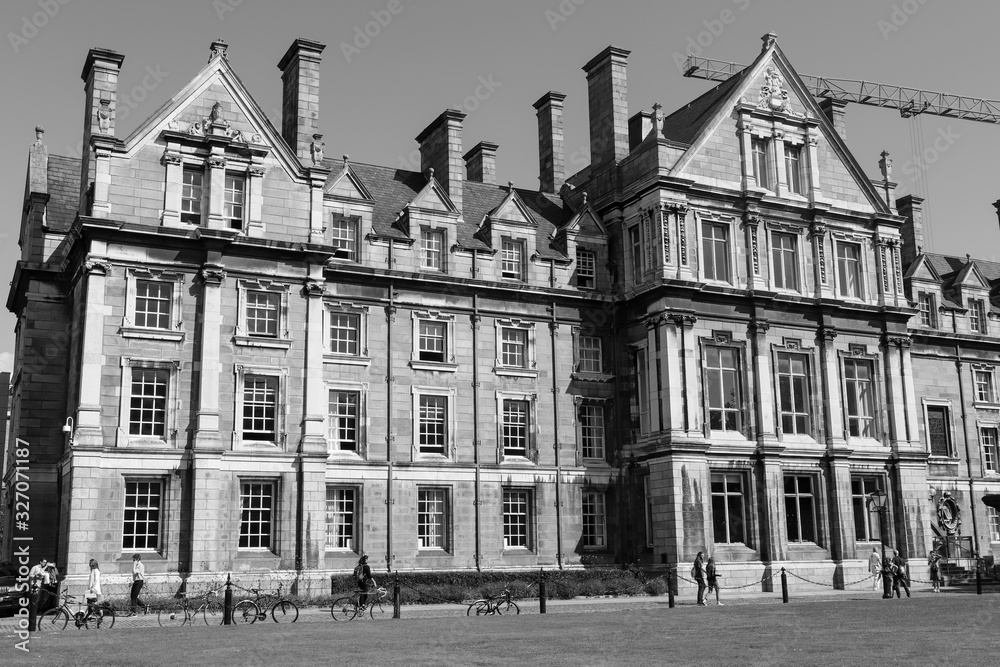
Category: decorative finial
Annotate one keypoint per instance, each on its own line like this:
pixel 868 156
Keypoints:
pixel 768 40
pixel 656 117
pixel 316 148
pixel 510 185
pixel 920 250
pixel 430 173
pixel 39 131
pixel 218 49
pixel 346 159
pixel 968 258
pixel 585 198
pixel 216 113
pixel 885 166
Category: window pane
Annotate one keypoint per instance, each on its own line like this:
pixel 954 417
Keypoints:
pixel 344 333
pixel 262 313
pixel 148 402
pixel 141 526
pixel 340 518
pixel 433 425
pixel 260 400
pixel 255 515
pixel 152 304
pixel 432 519
pixel 937 430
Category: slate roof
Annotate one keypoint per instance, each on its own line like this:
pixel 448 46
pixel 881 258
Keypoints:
pixel 685 124
pixel 64 191
pixel 950 268
pixel 392 189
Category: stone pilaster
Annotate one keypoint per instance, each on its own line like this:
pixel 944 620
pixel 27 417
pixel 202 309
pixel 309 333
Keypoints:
pixel 771 504
pixel 896 398
pixel 314 418
pixel 207 434
pixel 752 243
pixel 690 372
pixel 760 365
pixel 217 188
pixel 672 364
pixel 830 395
pixel 823 265
pixel 842 536
pixel 88 410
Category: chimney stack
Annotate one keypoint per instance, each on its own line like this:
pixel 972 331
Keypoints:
pixel 300 95
pixel 834 112
pixel 551 151
pixel 912 231
pixel 100 85
pixel 441 150
pixel 481 163
pixel 608 102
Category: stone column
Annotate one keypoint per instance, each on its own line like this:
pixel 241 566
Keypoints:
pixel 314 417
pixel 842 538
pixel 690 373
pixel 823 265
pixel 173 168
pixel 763 382
pixel 755 263
pixel 882 264
pixel 895 393
pixel 207 434
pixel 217 188
pixel 654 371
pixel 317 179
pixel 672 362
pixel 773 535
pixel 684 271
pixel 812 170
pixel 88 410
pixel 830 396
pixel 778 160
pixel 745 132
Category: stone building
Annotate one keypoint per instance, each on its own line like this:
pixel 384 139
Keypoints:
pixel 236 353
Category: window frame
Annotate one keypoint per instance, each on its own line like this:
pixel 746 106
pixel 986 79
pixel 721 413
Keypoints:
pixel 359 311
pixel 427 234
pixel 876 399
pixel 351 226
pixel 949 425
pixel 228 206
pixel 360 389
pixel 860 292
pixel 794 352
pixel 596 539
pixel 242 336
pixel 862 499
pixel 642 414
pixel 598 449
pixel 637 256
pixel 175 330
pixel 727 249
pixel 993 523
pixel 586 269
pixel 446 514
pixel 760 149
pixel 724 342
pixel 272 515
pixel 988 376
pixel 450 396
pixel 815 499
pixel 530 367
pixel 528 519
pixel 355 519
pixel 192 217
pixel 161 496
pixel 507 245
pixel 977 317
pixel 530 429
pixel 793 168
pixel 726 477
pixel 446 320
pixel 930 312
pixel 796 286
pixel 985 447
pixel 279 377
pixel 124 436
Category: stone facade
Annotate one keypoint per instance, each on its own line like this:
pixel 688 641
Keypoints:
pixel 268 359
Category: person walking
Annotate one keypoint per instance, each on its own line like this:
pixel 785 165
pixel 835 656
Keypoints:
pixel 366 582
pixel 138 581
pixel 712 576
pixel 698 572
pixel 875 567
pixel 932 561
pixel 899 574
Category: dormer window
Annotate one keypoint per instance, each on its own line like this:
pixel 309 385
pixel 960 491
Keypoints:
pixel 925 304
pixel 432 249
pixel 512 259
pixel 235 198
pixel 977 316
pixel 586 269
pixel 191 195
pixel 759 148
pixel 792 173
pixel 343 233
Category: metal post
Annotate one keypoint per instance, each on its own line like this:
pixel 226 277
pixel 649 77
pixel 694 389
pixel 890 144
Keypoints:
pixel 979 576
pixel 227 613
pixel 395 597
pixel 670 581
pixel 541 591
pixel 784 586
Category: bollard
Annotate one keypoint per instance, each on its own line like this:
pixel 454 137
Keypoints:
pixel 670 588
pixel 227 612
pixel 33 599
pixel 979 577
pixel 784 586
pixel 395 597
pixel 541 591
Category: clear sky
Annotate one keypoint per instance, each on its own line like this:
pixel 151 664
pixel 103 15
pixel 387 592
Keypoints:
pixel 378 92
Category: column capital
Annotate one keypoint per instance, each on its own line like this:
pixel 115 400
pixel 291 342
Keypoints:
pixel 758 326
pixel 898 340
pixel 826 333
pixel 213 275
pixel 314 289
pixel 682 319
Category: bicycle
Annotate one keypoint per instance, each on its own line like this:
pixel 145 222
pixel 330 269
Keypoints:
pixel 210 608
pixel 282 609
pixel 96 616
pixel 494 604
pixel 349 607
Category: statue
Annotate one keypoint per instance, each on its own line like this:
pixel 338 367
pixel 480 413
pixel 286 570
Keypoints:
pixel 104 117
pixel 772 96
pixel 316 148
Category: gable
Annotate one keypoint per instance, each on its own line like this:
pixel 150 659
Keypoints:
pixel 348 186
pixel 512 210
pixel 970 277
pixel 434 198
pixel 922 270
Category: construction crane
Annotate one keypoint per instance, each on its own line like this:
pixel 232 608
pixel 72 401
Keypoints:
pixel 909 101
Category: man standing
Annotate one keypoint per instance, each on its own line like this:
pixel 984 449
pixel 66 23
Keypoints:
pixel 875 567
pixel 899 574
pixel 138 579
pixel 698 572
pixel 38 576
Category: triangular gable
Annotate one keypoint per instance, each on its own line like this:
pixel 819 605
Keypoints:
pixel 922 269
pixel 512 210
pixel 585 221
pixel 218 72
pixel 347 185
pixel 971 276
pixel 434 198
pixel 800 103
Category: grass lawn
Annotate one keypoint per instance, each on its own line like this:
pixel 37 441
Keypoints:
pixel 925 630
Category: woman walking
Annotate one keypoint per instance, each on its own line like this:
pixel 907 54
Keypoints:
pixel 713 579
pixel 932 560
pixel 698 572
pixel 138 580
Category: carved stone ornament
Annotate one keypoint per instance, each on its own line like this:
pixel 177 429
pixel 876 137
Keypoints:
pixel 101 266
pixel 315 288
pixel 899 341
pixel 216 162
pixel 758 326
pixel 773 96
pixel 316 148
pixel 104 116
pixel 682 320
pixel 170 158
pixel 949 514
pixel 826 333
pixel 214 276
pixel 653 321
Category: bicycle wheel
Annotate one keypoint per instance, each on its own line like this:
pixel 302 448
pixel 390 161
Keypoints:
pixel 508 607
pixel 285 612
pixel 245 611
pixel 213 612
pixel 53 619
pixel 380 609
pixel 344 609
pixel 172 618
pixel 102 618
pixel 480 608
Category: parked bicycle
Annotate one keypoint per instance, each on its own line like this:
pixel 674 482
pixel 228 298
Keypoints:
pixel 494 604
pixel 349 607
pixel 281 609
pixel 95 617
pixel 210 609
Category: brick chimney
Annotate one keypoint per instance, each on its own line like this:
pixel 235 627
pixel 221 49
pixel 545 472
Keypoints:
pixel 834 111
pixel 481 163
pixel 441 150
pixel 300 95
pixel 551 151
pixel 100 85
pixel 912 231
pixel 608 102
